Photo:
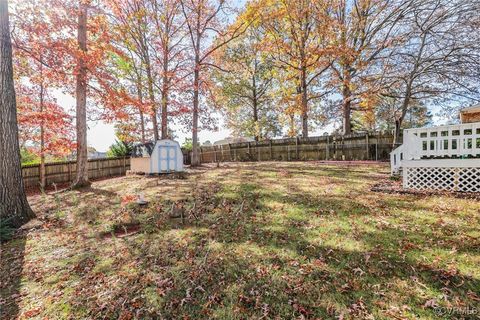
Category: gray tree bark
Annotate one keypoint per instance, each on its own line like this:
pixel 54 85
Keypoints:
pixel 165 84
pixel 196 84
pixel 304 102
pixel 14 207
pixel 142 118
pixel 347 108
pixel 151 94
pixel 81 179
pixel 42 136
pixel 255 106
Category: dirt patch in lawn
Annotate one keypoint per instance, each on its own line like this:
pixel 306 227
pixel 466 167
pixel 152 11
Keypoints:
pixel 121 231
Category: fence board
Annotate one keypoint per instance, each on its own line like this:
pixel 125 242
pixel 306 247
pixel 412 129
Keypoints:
pixel 364 146
pixel 65 172
pixel 361 146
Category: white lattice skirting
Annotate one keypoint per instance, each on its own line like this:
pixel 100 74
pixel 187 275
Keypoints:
pixel 465 179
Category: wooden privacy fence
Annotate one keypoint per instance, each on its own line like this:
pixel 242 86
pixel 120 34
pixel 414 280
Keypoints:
pixel 64 172
pixel 364 146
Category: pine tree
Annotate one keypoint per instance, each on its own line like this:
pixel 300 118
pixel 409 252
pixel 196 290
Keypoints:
pixel 14 207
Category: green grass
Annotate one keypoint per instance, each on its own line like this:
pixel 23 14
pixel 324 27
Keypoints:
pixel 258 240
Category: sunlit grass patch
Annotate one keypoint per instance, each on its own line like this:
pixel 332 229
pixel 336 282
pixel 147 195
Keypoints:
pixel 248 240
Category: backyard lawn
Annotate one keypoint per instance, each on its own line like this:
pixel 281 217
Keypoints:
pixel 252 240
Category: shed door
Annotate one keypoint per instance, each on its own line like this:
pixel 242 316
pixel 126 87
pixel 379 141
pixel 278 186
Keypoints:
pixel 167 159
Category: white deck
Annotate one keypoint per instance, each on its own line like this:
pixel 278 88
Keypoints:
pixel 449 141
pixel 440 158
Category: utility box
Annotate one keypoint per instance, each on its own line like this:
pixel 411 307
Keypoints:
pixel 164 156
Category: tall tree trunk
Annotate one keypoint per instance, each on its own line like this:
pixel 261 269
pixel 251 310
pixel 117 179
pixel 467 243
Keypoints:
pixel 42 133
pixel 396 136
pixel 165 98
pixel 151 95
pixel 255 120
pixel 14 208
pixel 346 76
pixel 81 179
pixel 304 103
pixel 347 103
pixel 399 120
pixel 292 132
pixel 42 158
pixel 142 127
pixel 196 84
pixel 255 108
pixel 142 118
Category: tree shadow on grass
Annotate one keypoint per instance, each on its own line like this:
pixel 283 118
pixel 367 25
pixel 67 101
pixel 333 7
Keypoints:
pixel 284 270
pixel 231 261
pixel 11 267
pixel 386 264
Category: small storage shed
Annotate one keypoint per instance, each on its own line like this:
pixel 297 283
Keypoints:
pixel 162 157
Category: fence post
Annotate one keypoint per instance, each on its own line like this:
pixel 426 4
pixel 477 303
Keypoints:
pixel 271 151
pixel 69 171
pixel 214 154
pixel 98 169
pixel 368 148
pixel 258 151
pixel 124 165
pixel 327 153
pixel 296 149
pixel 318 150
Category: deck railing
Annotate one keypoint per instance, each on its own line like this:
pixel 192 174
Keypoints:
pixel 461 140
pixel 447 141
pixel 396 157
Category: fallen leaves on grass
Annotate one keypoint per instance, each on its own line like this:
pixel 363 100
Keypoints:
pixel 327 248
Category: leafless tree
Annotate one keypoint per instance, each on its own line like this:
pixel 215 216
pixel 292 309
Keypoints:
pixel 365 32
pixel 169 51
pixel 205 19
pixel 438 57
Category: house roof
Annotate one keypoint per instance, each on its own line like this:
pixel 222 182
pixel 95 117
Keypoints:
pixel 233 140
pixel 475 108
